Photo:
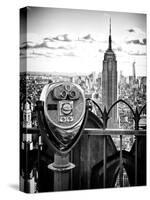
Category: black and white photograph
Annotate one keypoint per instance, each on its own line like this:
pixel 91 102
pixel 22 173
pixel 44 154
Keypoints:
pixel 83 98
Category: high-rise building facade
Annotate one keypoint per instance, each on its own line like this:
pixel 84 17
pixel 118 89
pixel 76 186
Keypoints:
pixel 134 73
pixel 109 82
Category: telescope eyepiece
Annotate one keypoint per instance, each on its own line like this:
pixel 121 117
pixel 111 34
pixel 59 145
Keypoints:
pixel 63 94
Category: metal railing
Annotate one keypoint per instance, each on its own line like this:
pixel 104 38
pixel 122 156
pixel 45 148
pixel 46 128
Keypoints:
pixel 120 133
pixel 104 132
pixel 105 115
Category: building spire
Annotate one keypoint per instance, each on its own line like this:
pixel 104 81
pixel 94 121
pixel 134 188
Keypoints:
pixel 110 26
pixel 110 41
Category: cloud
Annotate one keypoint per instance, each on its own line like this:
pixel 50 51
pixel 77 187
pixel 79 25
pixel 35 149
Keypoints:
pixel 63 37
pixel 145 41
pixel 131 30
pixel 137 41
pixel 34 54
pixel 41 45
pixel 100 50
pixel 27 45
pixel 49 39
pixel 38 54
pixel 86 38
pixel 47 45
pixel 89 45
pixel 118 48
pixel 135 36
pixel 62 47
pixel 134 42
pixel 44 44
pixel 69 54
pixel 137 54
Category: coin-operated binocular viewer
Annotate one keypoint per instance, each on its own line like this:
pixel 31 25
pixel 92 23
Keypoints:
pixel 62 115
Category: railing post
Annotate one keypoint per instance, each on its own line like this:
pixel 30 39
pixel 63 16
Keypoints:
pixel 105 119
pixel 121 164
pixel 104 160
pixel 136 160
pixel 136 119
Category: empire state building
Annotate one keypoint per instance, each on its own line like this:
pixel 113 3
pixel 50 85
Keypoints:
pixel 109 82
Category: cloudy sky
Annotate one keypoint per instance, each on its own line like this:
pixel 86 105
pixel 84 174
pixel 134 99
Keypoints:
pixel 67 40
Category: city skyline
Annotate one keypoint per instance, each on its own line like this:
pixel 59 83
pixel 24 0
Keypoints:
pixel 74 41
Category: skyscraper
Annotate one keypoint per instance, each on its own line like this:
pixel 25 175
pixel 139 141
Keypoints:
pixel 109 82
pixel 134 73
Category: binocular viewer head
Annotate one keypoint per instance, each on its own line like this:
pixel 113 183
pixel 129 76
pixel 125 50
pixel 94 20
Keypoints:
pixel 64 109
pixel 66 91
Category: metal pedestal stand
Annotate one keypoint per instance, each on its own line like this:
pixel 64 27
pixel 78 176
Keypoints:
pixel 62 172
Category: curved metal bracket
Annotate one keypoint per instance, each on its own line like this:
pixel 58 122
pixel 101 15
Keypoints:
pixel 118 101
pixel 105 113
